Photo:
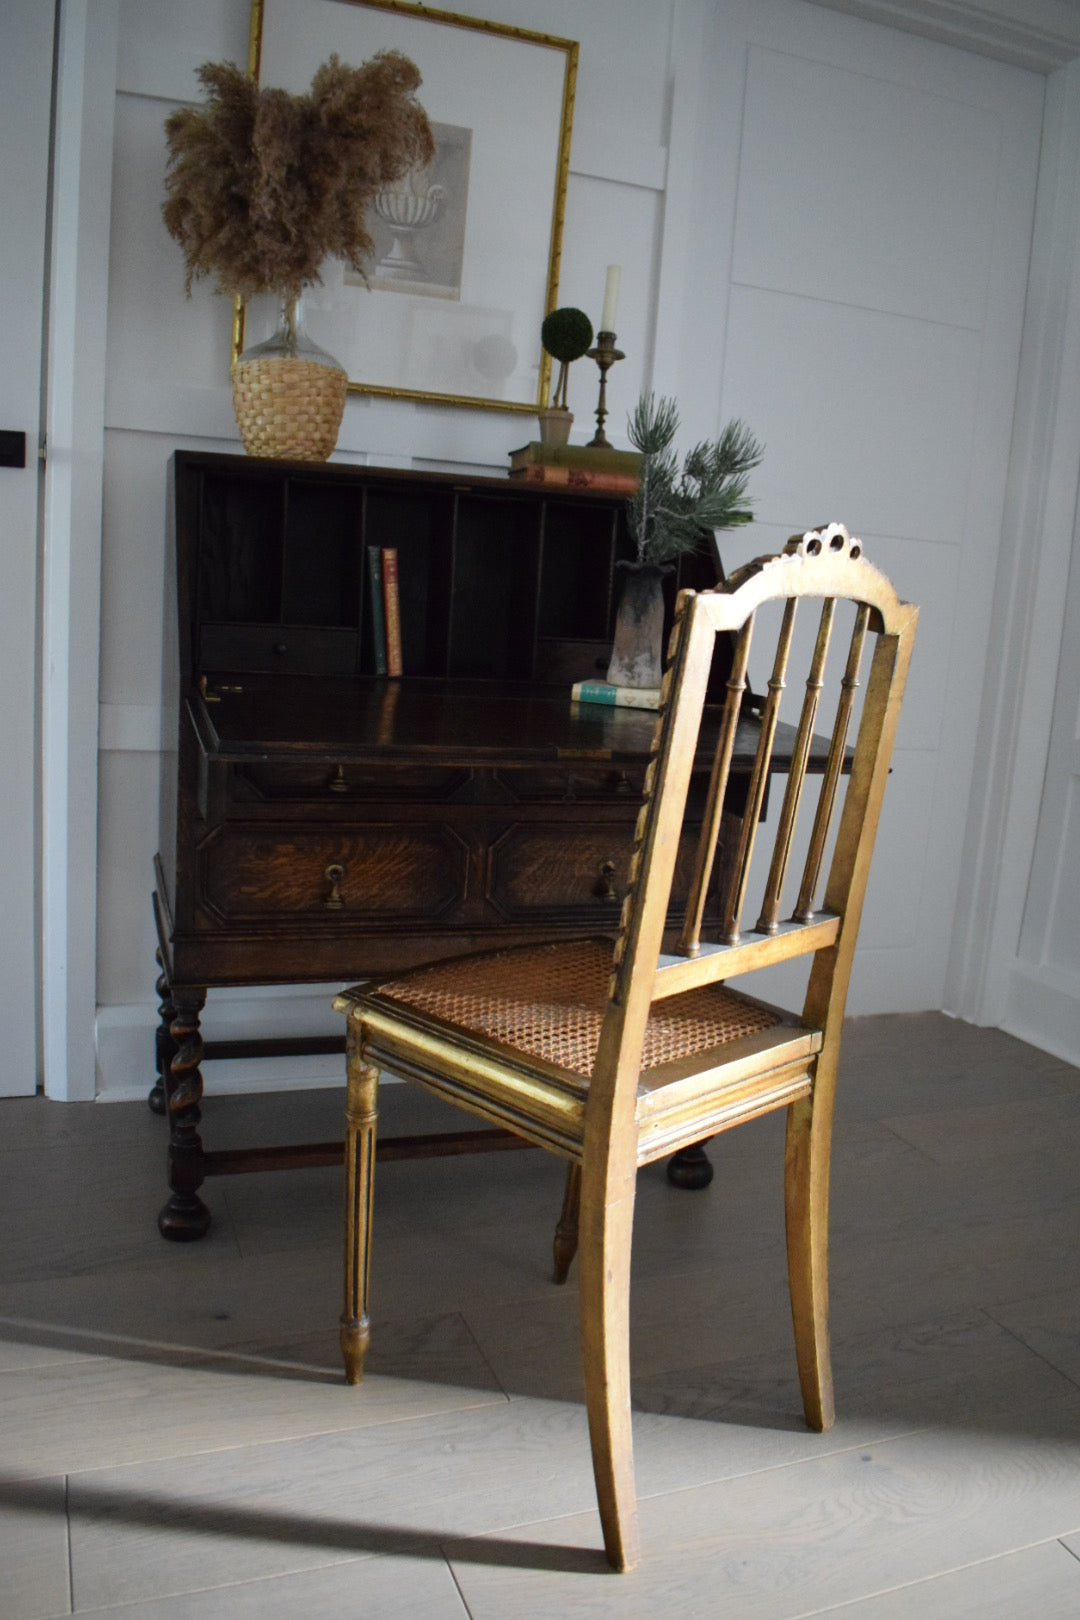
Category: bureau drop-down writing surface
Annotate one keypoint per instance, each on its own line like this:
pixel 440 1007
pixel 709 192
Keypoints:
pixel 323 823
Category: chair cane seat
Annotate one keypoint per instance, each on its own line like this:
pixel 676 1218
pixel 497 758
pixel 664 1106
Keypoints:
pixel 548 1002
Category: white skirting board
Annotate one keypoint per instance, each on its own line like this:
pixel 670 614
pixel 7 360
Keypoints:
pixel 125 1042
pixel 1043 1008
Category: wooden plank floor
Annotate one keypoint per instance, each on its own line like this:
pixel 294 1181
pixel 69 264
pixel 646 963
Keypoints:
pixel 176 1442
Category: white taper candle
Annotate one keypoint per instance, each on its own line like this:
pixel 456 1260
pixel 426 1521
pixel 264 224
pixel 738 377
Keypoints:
pixel 611 298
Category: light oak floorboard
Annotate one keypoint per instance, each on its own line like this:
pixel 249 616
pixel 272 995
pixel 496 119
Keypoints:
pixel 435 1350
pixel 1040 1582
pixel 409 1487
pixel 101 1413
pixel 216 1463
pixel 34 1555
pixel 383 1588
pixel 1049 1324
pixel 191 1297
pixel 790 1542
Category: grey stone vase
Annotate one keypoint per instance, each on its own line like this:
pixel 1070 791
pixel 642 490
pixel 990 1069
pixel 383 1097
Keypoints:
pixel 637 653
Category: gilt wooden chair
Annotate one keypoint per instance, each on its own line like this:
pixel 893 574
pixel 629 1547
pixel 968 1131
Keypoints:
pixel 613 1056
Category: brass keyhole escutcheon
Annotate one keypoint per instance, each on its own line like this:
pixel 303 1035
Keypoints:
pixel 604 887
pixel 335 876
pixel 338 783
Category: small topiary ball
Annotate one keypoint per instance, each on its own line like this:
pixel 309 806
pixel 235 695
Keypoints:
pixel 566 334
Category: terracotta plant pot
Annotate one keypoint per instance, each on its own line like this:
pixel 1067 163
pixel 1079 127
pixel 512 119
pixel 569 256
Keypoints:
pixel 555 425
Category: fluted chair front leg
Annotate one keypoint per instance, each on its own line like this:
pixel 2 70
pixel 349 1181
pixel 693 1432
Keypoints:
pixel 361 1118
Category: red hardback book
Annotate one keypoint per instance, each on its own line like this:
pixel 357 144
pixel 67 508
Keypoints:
pixel 615 483
pixel 391 610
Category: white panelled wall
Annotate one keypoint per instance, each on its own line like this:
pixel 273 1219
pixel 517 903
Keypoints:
pixel 825 227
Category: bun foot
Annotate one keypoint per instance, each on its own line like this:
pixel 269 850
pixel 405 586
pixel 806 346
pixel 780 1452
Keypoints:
pixel 184 1219
pixel 690 1169
pixel 156 1100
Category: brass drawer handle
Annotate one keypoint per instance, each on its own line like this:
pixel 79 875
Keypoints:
pixel 212 695
pixel 335 876
pixel 604 887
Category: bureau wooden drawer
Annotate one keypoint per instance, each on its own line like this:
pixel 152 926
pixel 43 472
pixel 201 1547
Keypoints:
pixel 560 872
pixel 383 872
pixel 569 873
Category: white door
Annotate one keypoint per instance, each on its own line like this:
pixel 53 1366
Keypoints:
pixel 25 92
pixel 1044 999
pixel 878 270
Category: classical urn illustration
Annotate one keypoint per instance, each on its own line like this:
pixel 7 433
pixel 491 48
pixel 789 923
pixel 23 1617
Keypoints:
pixel 407 206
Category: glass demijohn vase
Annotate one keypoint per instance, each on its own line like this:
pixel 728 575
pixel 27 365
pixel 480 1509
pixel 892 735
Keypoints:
pixel 288 394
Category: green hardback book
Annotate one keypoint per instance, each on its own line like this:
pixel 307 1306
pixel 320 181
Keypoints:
pixel 606 459
pixel 375 596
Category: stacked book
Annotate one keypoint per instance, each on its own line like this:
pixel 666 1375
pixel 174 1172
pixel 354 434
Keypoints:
pixel 617 697
pixel 577 466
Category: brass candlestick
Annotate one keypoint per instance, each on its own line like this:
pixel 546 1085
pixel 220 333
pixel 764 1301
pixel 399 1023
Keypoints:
pixel 605 354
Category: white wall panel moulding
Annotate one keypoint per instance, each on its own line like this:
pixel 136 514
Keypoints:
pixel 129 727
pixel 82 192
pixel 1038 34
pixel 617 153
pixel 154 404
pixel 1039 518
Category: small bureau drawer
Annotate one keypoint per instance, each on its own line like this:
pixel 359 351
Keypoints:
pixel 275 649
pixel 383 872
pixel 307 783
pixel 567 784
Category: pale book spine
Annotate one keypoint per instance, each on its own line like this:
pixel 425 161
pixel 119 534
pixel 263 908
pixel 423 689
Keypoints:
pixel 391 610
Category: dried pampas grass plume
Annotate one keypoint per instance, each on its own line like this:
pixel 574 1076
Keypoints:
pixel 263 185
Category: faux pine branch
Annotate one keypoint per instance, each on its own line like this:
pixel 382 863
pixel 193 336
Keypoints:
pixel 675 507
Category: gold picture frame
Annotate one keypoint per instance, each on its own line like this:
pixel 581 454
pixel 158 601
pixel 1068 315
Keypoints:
pixel 443 319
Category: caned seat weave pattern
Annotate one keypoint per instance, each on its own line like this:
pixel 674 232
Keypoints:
pixel 548 1001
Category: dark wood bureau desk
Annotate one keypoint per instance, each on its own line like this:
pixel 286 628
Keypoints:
pixel 321 823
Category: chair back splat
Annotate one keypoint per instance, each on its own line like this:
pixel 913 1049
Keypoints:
pixel 615 1056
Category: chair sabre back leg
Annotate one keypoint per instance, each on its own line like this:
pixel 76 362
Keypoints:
pixel 604 1301
pixel 566 1233
pixel 806 1202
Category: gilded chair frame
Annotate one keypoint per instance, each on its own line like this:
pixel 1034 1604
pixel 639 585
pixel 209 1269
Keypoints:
pixel 626 1110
